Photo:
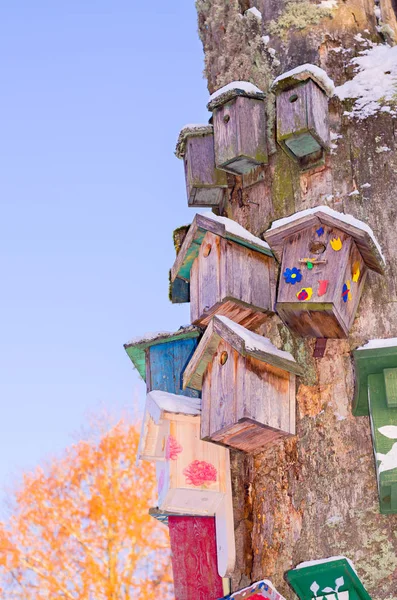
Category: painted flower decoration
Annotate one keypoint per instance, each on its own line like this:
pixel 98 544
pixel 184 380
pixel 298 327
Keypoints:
pixel 200 472
pixel 172 448
pixel 292 275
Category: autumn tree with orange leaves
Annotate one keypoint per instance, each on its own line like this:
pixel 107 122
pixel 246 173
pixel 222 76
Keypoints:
pixel 80 530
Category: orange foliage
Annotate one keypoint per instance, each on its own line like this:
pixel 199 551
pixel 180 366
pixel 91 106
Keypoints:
pixel 80 530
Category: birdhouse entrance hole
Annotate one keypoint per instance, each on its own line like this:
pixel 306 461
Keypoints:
pixel 207 250
pixel 317 247
pixel 223 358
pixel 293 98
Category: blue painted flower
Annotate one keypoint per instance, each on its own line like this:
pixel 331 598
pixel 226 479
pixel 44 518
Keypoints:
pixel 292 275
pixel 320 231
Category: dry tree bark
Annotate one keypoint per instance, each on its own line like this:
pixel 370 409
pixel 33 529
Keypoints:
pixel 315 495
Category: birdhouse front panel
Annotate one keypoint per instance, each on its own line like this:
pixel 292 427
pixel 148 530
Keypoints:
pixel 205 184
pixel 247 385
pixel 166 363
pixel 233 280
pixel 240 135
pixel 376 394
pixel 192 478
pixel 332 578
pixel 325 257
pixel 322 274
pixel 302 120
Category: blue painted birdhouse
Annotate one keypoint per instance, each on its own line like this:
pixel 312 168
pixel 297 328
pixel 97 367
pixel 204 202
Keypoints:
pixel 161 358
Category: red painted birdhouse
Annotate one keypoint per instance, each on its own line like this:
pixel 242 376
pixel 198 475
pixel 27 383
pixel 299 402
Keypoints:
pixel 205 184
pixel 325 257
pixel 247 386
pixel 229 272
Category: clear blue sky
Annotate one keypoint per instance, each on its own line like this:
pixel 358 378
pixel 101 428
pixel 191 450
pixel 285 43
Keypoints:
pixel 93 94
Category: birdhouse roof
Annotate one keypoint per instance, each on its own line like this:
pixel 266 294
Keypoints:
pixel 136 347
pixel 259 589
pixel 190 131
pixel 231 90
pixel 328 576
pixel 243 341
pixel 159 402
pixel 221 226
pixel 371 359
pixel 362 234
pixel 303 73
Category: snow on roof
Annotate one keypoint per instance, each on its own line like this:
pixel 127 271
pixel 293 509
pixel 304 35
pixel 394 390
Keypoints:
pixel 348 219
pixel 190 130
pixel 236 230
pixel 313 563
pixel 232 89
pixel 255 12
pixel 304 72
pixel 375 82
pixel 158 401
pixel 148 337
pixel 373 344
pixel 253 341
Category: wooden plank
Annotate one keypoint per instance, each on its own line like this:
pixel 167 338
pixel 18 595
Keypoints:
pixel 167 364
pixel 194 558
pixel 390 376
pixel 225 538
pixel 276 238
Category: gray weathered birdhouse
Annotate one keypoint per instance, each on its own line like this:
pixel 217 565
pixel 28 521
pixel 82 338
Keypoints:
pixel 325 257
pixel 229 271
pixel 302 112
pixel 247 387
pixel 205 184
pixel 239 119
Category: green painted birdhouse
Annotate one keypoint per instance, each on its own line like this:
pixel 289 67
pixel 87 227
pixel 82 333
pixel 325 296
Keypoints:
pixel 239 119
pixel 228 271
pixel 376 396
pixel 303 129
pixel 161 358
pixel 325 257
pixel 329 579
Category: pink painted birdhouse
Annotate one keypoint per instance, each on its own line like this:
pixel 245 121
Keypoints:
pixel 205 184
pixel 239 119
pixel 325 257
pixel 247 387
pixel 223 269
pixel 192 475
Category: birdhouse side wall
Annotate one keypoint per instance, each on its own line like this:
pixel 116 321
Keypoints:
pixel 245 388
pixel 166 364
pixel 205 280
pixel 205 183
pixel 355 268
pixel 318 114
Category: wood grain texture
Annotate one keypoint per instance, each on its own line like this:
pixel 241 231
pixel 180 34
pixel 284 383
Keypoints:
pixel 194 558
pixel 205 184
pixel 240 135
pixel 232 280
pixel 166 364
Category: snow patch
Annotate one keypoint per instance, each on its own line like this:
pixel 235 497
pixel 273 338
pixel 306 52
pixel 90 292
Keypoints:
pixel 254 341
pixel 380 149
pixel 349 219
pixel 375 82
pixel 265 39
pixel 378 343
pixel 328 4
pixel 254 12
pixel 304 72
pixel 236 230
pixel 365 185
pixel 158 401
pixel 232 89
pixel 354 193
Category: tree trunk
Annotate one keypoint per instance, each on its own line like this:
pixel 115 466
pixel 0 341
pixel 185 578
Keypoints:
pixel 315 495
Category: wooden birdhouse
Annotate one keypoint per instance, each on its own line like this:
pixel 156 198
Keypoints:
pixel 327 579
pixel 229 272
pixel 239 120
pixel 191 474
pixel 160 358
pixel 302 113
pixel 376 397
pixel 325 257
pixel 261 589
pixel 247 386
pixel 205 184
